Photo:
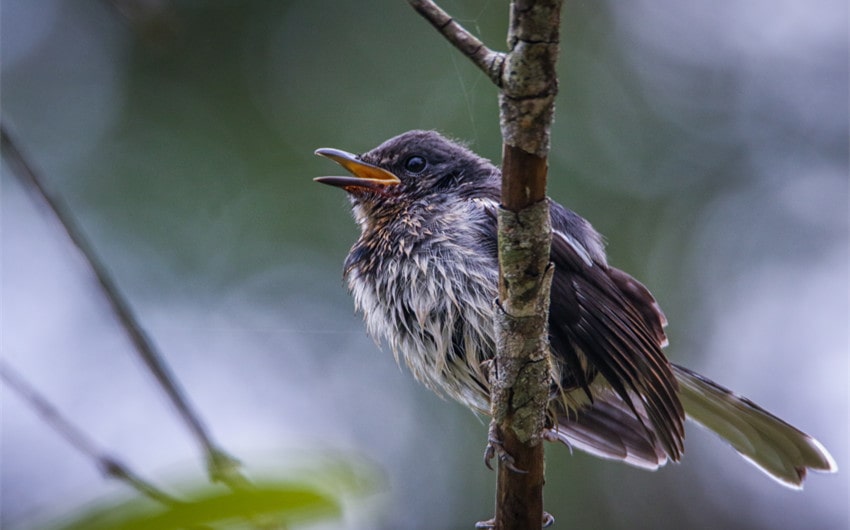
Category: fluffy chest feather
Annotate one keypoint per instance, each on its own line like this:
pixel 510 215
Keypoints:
pixel 427 287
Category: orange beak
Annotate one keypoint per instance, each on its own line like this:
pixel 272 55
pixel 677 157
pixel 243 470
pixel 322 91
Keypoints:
pixel 364 175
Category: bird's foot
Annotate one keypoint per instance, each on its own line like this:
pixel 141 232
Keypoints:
pixel 496 449
pixel 548 521
pixel 550 436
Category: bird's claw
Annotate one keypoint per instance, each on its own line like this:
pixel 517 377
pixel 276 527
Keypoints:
pixel 496 449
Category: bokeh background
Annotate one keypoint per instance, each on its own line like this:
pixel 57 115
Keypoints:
pixel 707 140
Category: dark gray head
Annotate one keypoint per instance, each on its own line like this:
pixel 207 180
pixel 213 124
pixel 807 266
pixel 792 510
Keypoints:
pixel 412 167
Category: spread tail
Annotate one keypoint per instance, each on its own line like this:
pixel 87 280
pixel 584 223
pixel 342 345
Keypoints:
pixel 780 450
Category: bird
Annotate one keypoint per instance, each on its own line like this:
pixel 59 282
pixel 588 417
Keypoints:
pixel 424 275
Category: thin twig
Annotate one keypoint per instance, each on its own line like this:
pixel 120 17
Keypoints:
pixel 109 465
pixel 489 61
pixel 220 465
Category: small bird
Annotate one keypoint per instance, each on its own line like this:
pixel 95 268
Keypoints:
pixel 424 274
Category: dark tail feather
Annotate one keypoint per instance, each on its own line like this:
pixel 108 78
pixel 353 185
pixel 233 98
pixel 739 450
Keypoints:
pixel 608 428
pixel 780 450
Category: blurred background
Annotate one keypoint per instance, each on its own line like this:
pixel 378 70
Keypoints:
pixel 707 140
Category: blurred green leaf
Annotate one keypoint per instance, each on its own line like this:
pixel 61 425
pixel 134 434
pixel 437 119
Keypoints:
pixel 277 503
pixel 311 492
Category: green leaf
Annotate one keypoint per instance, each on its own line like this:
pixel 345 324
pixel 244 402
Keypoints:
pixel 270 504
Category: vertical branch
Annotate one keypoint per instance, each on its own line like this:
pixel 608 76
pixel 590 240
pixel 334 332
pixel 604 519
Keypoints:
pixel 520 380
pixel 521 390
pixel 530 84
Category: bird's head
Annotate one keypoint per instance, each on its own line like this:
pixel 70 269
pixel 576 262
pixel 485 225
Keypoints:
pixel 417 167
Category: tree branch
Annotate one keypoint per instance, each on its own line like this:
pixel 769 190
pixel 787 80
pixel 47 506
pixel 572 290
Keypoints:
pixel 221 466
pixel 520 376
pixel 489 61
pixel 530 83
pixel 109 465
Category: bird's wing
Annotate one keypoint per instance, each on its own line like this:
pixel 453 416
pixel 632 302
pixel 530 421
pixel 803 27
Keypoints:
pixel 602 321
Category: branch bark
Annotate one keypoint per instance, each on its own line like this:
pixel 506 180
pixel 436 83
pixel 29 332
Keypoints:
pixel 520 378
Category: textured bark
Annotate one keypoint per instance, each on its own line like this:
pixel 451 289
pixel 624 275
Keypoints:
pixel 520 388
pixel 529 82
pixel 520 377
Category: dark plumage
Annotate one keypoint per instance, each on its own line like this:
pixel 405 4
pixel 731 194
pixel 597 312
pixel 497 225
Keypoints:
pixel 424 274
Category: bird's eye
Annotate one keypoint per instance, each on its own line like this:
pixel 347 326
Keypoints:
pixel 415 164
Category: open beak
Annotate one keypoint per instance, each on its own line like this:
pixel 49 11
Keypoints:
pixel 364 175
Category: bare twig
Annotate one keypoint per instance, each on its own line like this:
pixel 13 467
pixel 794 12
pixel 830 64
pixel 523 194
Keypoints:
pixel 520 381
pixel 486 59
pixel 220 465
pixel 108 464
